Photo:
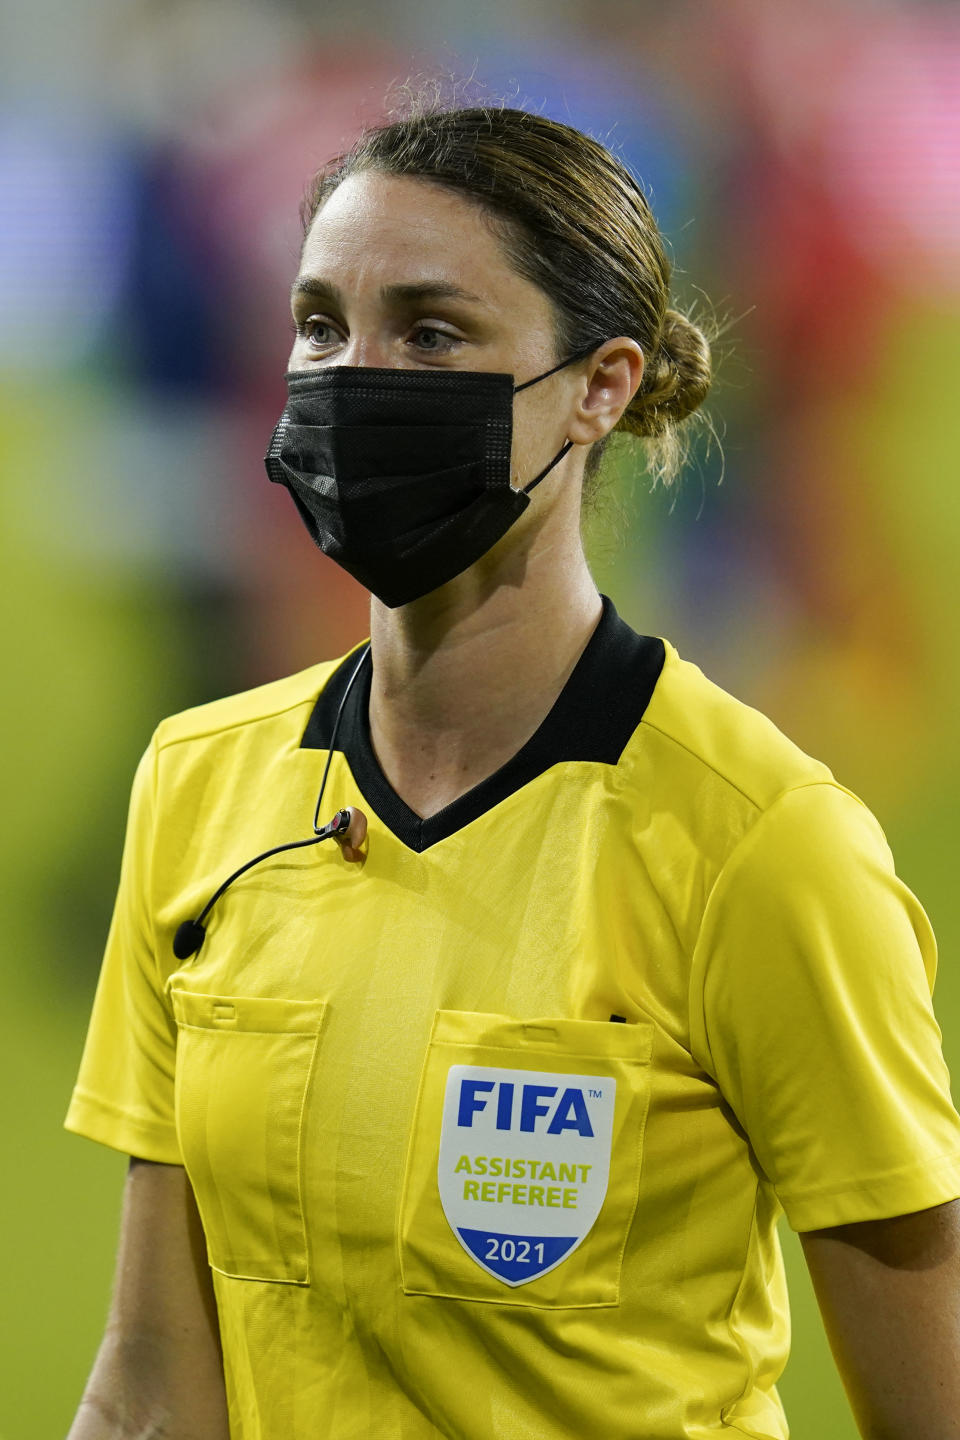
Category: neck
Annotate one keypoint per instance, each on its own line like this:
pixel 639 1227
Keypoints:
pixel 463 677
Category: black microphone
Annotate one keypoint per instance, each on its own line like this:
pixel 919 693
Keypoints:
pixel 190 934
pixel 188 939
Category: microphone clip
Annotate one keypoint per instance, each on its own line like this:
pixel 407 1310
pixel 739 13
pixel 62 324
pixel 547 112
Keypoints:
pixel 334 828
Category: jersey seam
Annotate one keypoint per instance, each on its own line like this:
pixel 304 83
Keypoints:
pixel 749 1365
pixel 726 778
pixel 95 1101
pixel 310 698
pixel 151 908
pixel 164 744
pixel 738 1429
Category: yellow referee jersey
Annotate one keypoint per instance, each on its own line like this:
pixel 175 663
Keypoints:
pixel 490 1134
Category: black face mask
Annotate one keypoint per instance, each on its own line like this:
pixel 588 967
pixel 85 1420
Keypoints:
pixel 402 476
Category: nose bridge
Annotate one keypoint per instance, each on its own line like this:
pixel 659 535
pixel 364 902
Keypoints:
pixel 366 349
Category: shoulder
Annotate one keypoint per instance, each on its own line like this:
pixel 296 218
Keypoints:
pixel 278 705
pixel 712 737
pixel 706 769
pixel 236 741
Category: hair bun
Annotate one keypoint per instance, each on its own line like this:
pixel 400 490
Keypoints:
pixel 676 380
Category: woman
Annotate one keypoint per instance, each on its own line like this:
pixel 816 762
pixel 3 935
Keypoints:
pixel 487 1116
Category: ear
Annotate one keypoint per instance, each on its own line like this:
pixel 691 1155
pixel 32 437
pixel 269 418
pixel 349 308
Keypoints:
pixel 613 378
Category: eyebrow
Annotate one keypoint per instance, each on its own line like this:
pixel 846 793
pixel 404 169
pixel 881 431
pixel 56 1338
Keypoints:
pixel 424 290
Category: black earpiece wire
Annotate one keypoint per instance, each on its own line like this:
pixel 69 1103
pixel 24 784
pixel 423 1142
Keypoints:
pixel 190 934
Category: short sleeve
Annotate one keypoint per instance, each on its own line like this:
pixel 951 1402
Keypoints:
pixel 811 1007
pixel 124 1091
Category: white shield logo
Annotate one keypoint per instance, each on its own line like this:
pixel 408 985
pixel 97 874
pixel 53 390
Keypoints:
pixel 524 1162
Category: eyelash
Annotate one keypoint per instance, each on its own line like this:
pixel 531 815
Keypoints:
pixel 301 331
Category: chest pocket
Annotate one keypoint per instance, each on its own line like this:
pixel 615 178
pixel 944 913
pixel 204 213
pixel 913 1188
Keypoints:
pixel 524 1161
pixel 244 1066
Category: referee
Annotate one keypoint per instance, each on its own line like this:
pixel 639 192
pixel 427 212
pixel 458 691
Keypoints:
pixel 477 1120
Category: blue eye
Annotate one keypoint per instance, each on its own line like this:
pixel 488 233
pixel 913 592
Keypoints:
pixel 427 337
pixel 307 330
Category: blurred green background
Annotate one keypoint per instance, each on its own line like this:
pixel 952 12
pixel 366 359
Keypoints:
pixel 803 161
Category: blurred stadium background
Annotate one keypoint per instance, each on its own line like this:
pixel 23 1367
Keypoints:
pixel 803 159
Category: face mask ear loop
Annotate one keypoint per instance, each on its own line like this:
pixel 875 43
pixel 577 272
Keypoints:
pixel 568 445
pixel 570 360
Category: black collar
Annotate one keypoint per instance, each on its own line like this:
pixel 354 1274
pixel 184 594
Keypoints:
pixel 592 719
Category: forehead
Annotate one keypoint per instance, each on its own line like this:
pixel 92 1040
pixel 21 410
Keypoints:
pixel 378 231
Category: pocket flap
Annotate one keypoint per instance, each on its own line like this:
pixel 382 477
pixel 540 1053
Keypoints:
pixel 251 1013
pixel 588 1039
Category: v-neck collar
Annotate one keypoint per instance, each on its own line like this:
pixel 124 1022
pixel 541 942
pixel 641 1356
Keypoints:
pixel 591 720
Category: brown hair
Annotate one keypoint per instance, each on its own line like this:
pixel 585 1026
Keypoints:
pixel 575 222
